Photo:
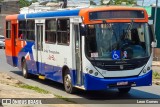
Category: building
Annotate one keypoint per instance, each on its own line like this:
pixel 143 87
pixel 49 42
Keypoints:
pixel 7 7
pixel 157 32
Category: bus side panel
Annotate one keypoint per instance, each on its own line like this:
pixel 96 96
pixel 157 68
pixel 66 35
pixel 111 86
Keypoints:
pixel 53 73
pixel 10 45
pixel 54 58
pixel 27 53
pixel 11 59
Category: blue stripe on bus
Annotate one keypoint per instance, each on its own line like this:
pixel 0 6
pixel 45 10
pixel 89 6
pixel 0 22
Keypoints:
pixel 54 14
pixel 59 13
pixel 21 16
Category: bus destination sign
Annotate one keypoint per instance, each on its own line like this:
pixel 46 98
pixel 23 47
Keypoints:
pixel 116 14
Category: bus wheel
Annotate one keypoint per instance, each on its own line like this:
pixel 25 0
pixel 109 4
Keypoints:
pixel 25 69
pixel 68 84
pixel 124 90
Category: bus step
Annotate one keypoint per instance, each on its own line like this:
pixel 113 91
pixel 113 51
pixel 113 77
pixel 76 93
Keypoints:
pixel 41 77
pixel 80 87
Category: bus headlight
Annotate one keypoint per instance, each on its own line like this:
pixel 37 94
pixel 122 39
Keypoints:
pixel 90 71
pixel 144 71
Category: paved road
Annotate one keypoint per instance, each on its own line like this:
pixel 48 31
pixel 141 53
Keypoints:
pixel 152 92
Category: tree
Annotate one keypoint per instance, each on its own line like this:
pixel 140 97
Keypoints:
pixel 24 3
pixel 107 2
pixel 92 2
pixel 33 1
pixel 117 2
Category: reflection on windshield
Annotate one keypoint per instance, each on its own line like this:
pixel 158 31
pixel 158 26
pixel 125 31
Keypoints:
pixel 115 41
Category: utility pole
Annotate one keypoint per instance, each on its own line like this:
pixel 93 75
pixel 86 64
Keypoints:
pixel 155 19
pixel 155 15
pixel 143 3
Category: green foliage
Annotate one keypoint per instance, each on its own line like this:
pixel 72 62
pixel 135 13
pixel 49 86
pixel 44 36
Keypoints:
pixel 92 2
pixel 37 89
pixel 24 3
pixel 117 2
pixel 33 1
pixel 156 75
pixel 63 98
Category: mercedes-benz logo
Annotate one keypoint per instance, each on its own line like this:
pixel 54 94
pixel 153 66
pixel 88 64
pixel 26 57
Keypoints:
pixel 121 66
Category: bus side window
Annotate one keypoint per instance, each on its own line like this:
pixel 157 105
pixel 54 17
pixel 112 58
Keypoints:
pixel 30 30
pixel 63 31
pixel 22 29
pixel 50 31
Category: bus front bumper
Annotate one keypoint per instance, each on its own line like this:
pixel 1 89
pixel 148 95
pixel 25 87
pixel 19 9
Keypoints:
pixel 94 83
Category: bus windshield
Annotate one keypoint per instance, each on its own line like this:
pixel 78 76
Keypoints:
pixel 115 41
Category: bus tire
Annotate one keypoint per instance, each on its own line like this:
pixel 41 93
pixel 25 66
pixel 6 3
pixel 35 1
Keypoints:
pixel 25 69
pixel 124 90
pixel 68 83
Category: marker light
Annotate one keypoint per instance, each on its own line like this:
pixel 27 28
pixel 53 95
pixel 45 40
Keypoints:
pixel 148 68
pixel 96 73
pixel 86 69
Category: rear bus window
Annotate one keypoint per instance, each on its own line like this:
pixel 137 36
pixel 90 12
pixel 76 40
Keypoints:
pixel 8 29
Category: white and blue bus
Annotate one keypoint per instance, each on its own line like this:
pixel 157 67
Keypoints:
pixel 90 48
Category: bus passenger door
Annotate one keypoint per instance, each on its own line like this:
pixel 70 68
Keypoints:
pixel 14 46
pixel 78 62
pixel 39 47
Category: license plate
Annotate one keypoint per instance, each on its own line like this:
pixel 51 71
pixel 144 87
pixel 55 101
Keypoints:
pixel 122 83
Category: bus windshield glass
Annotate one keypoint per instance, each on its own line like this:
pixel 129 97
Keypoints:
pixel 116 41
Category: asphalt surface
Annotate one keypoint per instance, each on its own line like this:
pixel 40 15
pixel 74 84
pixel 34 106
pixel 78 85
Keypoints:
pixel 88 98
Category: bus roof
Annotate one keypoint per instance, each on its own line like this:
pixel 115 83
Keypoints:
pixel 84 12
pixel 12 17
pixel 102 8
pixel 59 13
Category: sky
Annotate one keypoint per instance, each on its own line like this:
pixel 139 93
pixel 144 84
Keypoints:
pixel 147 2
pixel 140 2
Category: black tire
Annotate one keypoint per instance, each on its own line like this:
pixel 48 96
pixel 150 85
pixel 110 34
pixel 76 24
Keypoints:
pixel 25 69
pixel 124 90
pixel 68 83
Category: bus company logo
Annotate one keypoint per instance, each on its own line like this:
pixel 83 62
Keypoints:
pixel 51 57
pixel 121 67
